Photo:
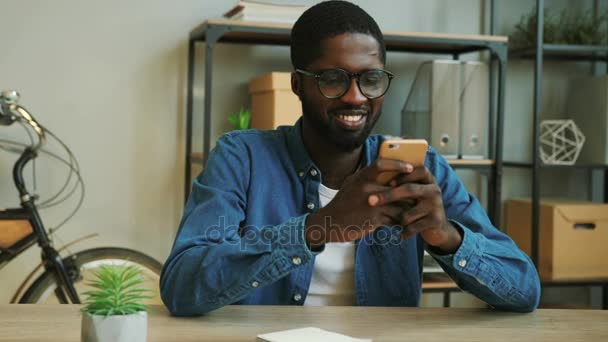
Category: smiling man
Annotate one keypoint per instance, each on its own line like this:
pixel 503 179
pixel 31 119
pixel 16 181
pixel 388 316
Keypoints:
pixel 296 216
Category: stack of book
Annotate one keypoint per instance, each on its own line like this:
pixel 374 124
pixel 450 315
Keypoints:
pixel 248 10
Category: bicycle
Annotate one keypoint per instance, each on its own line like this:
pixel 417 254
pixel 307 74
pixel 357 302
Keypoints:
pixel 64 279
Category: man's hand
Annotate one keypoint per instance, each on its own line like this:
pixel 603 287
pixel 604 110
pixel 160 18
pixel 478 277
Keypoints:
pixel 426 214
pixel 349 216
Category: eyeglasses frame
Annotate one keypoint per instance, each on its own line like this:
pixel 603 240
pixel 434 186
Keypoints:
pixel 351 75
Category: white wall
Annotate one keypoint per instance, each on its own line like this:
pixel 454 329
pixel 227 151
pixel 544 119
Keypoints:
pixel 108 77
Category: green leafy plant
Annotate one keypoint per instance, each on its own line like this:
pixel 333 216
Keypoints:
pixel 569 27
pixel 525 31
pixel 117 291
pixel 240 119
pixel 583 28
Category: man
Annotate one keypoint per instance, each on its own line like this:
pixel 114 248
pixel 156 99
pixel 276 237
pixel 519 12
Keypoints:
pixel 295 216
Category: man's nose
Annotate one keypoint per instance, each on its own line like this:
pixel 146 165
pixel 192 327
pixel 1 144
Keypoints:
pixel 353 95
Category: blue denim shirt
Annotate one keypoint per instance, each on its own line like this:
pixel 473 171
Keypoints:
pixel 241 238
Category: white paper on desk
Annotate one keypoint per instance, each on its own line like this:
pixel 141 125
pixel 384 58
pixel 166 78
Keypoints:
pixel 307 335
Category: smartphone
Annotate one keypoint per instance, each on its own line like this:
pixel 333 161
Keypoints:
pixel 412 151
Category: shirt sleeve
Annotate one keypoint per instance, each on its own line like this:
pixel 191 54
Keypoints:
pixel 214 260
pixel 487 264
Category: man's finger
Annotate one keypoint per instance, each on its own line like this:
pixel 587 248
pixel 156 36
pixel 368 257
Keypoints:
pixel 420 175
pixel 386 165
pixel 414 228
pixel 393 212
pixel 370 188
pixel 406 191
pixel 414 214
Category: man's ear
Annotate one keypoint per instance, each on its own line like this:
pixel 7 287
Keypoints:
pixel 296 84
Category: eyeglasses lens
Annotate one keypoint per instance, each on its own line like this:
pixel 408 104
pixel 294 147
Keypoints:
pixel 335 83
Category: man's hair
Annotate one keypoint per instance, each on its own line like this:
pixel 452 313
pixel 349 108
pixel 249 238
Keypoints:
pixel 326 20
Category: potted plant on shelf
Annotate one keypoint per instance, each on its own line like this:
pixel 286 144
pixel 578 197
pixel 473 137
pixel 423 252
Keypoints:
pixel 114 310
pixel 570 27
pixel 240 119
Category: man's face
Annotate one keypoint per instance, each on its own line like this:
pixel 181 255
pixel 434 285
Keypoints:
pixel 346 121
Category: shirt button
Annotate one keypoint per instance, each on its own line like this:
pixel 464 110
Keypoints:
pixel 301 173
pixel 296 260
pixel 297 297
pixel 255 284
pixel 310 206
pixel 462 262
pixel 313 172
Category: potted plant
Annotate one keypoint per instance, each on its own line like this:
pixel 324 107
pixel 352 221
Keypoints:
pixel 114 310
pixel 240 119
pixel 570 27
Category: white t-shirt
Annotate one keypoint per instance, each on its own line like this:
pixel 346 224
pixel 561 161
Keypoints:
pixel 333 275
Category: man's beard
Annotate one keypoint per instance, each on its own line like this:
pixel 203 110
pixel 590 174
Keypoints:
pixel 342 139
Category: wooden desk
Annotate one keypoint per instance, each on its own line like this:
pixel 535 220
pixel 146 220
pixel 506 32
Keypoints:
pixel 27 322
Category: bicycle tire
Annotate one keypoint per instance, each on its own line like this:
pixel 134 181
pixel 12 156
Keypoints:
pixel 42 289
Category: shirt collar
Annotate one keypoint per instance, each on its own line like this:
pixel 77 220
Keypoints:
pixel 299 156
pixel 301 159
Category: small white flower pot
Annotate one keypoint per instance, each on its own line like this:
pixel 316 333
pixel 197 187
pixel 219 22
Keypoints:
pixel 118 328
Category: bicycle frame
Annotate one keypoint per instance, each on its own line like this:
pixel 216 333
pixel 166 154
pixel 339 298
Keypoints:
pixel 11 112
pixel 24 243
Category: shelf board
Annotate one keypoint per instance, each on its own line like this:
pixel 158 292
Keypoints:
pixel 441 282
pixel 576 282
pixel 527 165
pixel 197 158
pixel 564 52
pixel 471 164
pixel 279 34
pixel 437 282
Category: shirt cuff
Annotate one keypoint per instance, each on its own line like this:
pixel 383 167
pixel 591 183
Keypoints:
pixel 467 257
pixel 291 241
pixel 289 252
pixel 313 251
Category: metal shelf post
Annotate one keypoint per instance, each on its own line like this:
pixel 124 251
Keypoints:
pixel 538 85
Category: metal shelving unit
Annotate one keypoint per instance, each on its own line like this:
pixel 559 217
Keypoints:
pixel 528 165
pixel 564 52
pixel 226 31
pixel 556 52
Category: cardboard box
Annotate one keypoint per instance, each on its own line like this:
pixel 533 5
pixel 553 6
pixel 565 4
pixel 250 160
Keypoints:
pixel 273 103
pixel 573 237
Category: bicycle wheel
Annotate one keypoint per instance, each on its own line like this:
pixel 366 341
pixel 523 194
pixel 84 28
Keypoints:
pixel 81 267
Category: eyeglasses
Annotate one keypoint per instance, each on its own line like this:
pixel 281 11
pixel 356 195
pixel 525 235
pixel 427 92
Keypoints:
pixel 334 83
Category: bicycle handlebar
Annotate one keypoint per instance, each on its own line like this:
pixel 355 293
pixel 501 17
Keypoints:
pixel 11 111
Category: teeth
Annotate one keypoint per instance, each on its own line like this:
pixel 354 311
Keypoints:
pixel 350 118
